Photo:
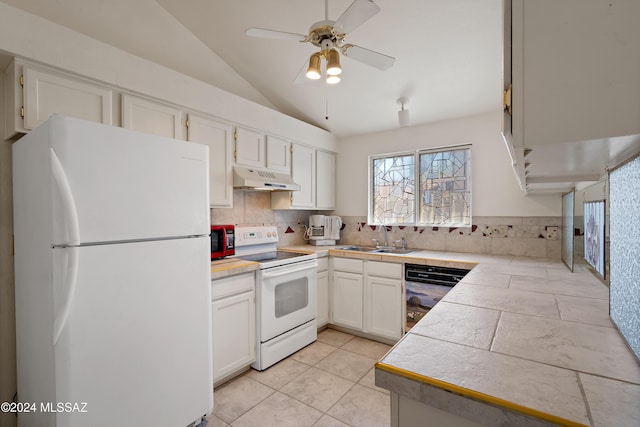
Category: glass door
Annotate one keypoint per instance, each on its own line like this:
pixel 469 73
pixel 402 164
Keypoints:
pixel 567 228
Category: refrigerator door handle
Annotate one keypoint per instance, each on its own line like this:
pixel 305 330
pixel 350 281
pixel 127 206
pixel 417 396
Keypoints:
pixel 68 203
pixel 73 226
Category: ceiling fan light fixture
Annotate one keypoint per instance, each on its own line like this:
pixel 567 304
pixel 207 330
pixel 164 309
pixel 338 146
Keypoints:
pixel 313 72
pixel 333 79
pixel 333 63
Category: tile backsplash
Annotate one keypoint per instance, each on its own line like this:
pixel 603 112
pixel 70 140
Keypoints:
pixel 251 208
pixel 518 236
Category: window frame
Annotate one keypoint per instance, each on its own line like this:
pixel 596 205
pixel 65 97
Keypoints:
pixel 416 153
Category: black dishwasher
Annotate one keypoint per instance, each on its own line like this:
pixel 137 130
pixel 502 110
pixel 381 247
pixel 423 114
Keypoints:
pixel 426 285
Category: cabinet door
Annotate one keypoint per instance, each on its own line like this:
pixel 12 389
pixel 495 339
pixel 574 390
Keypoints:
pixel 347 299
pixel 579 68
pixel 46 93
pixel 278 155
pixel 250 148
pixel 325 180
pixel 323 298
pixel 218 136
pixel 383 307
pixel 234 344
pixel 151 117
pixel 303 172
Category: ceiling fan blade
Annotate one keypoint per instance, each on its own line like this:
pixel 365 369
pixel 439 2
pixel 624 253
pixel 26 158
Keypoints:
pixel 272 34
pixel 369 57
pixel 357 14
pixel 301 77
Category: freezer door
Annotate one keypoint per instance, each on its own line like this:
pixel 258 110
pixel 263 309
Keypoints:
pixel 136 344
pixel 123 185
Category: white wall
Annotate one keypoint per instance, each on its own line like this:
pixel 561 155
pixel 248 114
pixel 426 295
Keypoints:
pixel 145 29
pixel 597 191
pixel 495 190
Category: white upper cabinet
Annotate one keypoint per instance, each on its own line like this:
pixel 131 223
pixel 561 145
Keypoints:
pixel 575 68
pixel 219 137
pixel 250 148
pixel 315 171
pixel 151 117
pixel 278 155
pixel 303 172
pixel 258 150
pixel 33 94
pixel 325 180
pixel 46 94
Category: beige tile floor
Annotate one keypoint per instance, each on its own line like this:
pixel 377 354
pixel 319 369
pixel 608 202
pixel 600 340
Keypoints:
pixel 329 383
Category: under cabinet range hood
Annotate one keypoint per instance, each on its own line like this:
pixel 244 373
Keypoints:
pixel 248 178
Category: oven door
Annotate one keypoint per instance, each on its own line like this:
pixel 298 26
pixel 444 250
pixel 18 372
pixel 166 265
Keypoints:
pixel 287 297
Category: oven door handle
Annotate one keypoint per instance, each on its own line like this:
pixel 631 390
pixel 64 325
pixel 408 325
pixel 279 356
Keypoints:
pixel 285 270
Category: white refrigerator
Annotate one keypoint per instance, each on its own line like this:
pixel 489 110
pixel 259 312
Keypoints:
pixel 112 277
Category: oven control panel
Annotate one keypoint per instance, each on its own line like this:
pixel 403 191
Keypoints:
pixel 248 236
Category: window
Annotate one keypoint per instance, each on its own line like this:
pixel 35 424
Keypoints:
pixel 393 188
pixel 438 192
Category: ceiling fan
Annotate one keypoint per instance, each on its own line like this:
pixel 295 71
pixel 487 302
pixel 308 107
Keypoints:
pixel 329 36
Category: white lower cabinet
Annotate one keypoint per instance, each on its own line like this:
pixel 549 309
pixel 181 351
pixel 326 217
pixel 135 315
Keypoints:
pixel 348 287
pixel 367 297
pixel 383 299
pixel 323 292
pixel 234 329
pixel 347 299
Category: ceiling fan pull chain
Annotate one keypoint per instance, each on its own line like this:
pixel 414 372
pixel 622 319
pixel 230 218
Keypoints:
pixel 326 101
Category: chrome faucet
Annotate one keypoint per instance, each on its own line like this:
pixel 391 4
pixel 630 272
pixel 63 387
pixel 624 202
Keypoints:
pixel 403 243
pixel 384 230
pixel 385 243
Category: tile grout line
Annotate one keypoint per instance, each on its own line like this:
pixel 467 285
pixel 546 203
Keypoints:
pixel 273 390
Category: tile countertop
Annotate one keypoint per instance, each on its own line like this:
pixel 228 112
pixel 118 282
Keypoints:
pixel 528 338
pixel 519 341
pixel 444 259
pixel 231 266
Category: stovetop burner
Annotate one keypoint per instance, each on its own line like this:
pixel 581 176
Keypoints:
pixel 259 244
pixel 272 256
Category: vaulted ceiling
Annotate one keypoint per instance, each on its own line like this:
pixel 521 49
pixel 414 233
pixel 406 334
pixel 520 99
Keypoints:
pixel 448 53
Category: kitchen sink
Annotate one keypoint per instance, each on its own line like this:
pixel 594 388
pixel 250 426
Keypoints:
pixel 359 248
pixel 394 251
pixel 378 250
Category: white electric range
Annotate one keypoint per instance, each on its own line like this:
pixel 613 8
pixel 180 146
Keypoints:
pixel 286 294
